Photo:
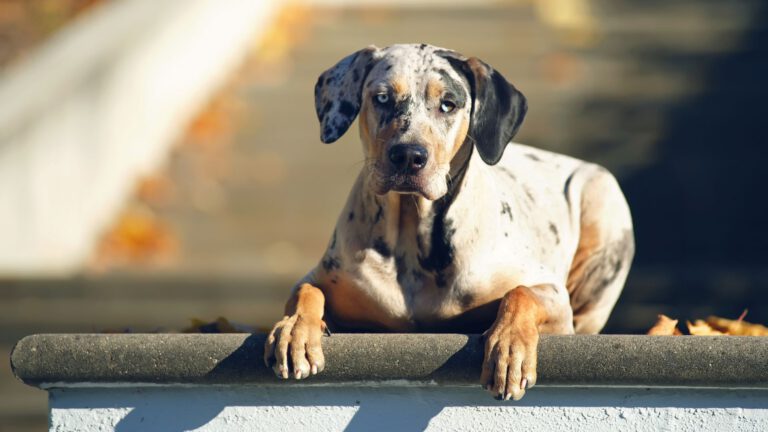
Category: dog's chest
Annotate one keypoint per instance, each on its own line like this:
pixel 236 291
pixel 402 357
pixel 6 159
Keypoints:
pixel 413 287
pixel 413 280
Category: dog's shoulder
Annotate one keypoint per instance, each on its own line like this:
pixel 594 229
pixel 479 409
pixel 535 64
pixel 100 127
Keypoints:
pixel 526 162
pixel 544 171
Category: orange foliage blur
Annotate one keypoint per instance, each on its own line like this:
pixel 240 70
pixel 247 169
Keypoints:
pixel 24 24
pixel 137 236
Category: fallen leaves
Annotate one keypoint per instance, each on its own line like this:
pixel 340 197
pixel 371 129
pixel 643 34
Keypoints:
pixel 665 326
pixel 701 328
pixel 737 327
pixel 712 326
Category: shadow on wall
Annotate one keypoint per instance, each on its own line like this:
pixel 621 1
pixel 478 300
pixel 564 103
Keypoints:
pixel 699 208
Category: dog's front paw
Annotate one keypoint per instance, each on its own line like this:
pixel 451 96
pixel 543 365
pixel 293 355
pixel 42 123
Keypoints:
pixel 295 341
pixel 509 365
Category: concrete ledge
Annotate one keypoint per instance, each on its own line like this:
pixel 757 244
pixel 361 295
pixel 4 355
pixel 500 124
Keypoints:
pixel 393 382
pixel 52 361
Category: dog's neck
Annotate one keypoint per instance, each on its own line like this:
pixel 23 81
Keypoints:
pixel 417 218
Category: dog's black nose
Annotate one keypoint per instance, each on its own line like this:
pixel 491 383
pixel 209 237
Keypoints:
pixel 408 158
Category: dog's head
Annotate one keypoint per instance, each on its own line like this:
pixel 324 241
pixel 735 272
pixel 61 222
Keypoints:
pixel 418 105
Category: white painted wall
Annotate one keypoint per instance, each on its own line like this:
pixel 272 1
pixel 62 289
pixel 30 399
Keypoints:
pixel 404 408
pixel 99 105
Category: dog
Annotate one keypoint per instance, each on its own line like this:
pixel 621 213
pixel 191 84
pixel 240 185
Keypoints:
pixel 451 227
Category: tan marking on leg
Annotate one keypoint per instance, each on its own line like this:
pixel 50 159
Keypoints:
pixel 509 365
pixel 295 340
pixel 308 300
pixel 604 253
pixel 589 241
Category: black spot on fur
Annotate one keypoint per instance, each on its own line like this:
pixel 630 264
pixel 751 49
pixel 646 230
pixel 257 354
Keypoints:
pixel 347 109
pixel 323 112
pixel 402 270
pixel 422 46
pixel 333 241
pixel 529 194
pixel 417 275
pixel 330 264
pixel 399 110
pixel 533 157
pixel 367 69
pixel 379 214
pixel 380 246
pixel 567 187
pixel 455 91
pixel 505 209
pixel 404 125
pixel 507 172
pixel 553 230
pixel 441 252
pixel 351 216
pixel 388 67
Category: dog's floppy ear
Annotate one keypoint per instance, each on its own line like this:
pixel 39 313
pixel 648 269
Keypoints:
pixel 498 108
pixel 338 92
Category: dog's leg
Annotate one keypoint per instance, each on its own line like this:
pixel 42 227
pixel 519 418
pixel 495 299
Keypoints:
pixel 509 366
pixel 297 337
pixel 603 257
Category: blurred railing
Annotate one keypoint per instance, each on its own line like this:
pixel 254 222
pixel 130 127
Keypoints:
pixel 97 106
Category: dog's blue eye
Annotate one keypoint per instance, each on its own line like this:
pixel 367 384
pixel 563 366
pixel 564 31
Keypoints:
pixel 382 98
pixel 447 106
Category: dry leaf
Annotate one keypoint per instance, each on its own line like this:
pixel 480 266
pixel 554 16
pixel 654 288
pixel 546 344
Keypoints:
pixel 701 328
pixel 665 326
pixel 737 327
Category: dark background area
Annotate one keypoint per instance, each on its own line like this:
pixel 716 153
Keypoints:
pixel 699 206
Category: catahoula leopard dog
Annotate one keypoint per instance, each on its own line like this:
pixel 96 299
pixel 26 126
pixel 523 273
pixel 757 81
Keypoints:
pixel 450 226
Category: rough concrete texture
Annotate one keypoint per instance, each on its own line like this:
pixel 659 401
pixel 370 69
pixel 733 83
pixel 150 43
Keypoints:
pixel 452 359
pixel 371 408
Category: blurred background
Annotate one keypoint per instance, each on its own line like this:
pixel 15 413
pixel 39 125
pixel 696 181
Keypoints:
pixel 160 161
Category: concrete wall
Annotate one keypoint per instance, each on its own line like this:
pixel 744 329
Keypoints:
pixel 99 105
pixel 404 408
